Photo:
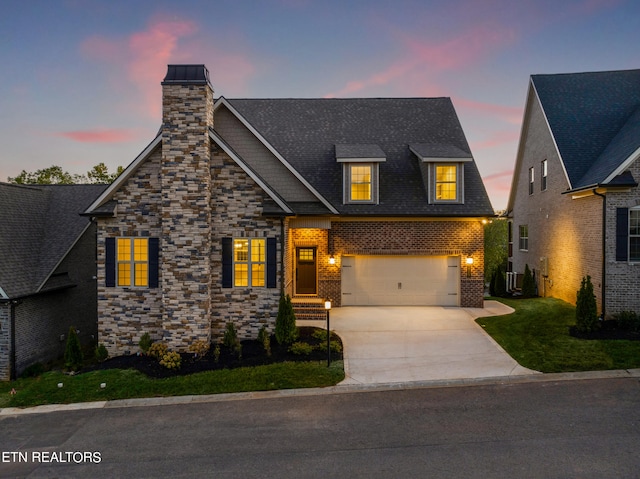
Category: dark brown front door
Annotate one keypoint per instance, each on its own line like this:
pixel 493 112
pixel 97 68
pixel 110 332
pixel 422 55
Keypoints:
pixel 306 271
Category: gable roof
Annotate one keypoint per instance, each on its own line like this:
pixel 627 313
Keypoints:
pixel 305 132
pixel 595 122
pixel 41 223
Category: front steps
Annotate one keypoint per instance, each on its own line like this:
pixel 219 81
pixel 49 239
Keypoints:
pixel 309 309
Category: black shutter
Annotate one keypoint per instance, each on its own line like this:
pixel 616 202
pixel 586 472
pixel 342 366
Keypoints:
pixel 227 262
pixel 622 234
pixel 110 262
pixel 154 262
pixel 272 263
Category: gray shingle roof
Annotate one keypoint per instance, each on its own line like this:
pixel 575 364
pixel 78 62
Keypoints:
pixel 305 132
pixel 594 118
pixel 40 223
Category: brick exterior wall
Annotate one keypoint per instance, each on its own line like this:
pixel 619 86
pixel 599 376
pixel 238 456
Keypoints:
pixel 623 277
pixel 5 341
pixel 41 320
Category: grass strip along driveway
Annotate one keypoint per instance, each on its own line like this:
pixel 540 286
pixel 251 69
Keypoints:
pixel 537 336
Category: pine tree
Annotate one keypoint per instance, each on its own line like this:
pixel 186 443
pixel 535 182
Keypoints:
pixel 73 352
pixel 586 308
pixel 286 329
pixel 528 285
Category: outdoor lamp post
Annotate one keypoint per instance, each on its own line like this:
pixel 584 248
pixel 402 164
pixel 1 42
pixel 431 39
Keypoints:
pixel 327 306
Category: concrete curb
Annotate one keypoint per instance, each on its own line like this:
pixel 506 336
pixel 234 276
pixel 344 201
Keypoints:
pixel 339 389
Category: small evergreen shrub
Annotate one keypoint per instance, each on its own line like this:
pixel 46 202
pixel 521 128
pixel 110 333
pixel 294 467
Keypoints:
pixel 528 284
pixel 301 349
pixel 264 338
pixel 145 343
pixel 492 284
pixel 101 353
pixel 73 352
pixel 286 329
pixel 158 350
pixel 230 337
pixel 501 283
pixel 36 369
pixel 628 321
pixel 586 309
pixel 171 360
pixel 199 348
pixel 216 354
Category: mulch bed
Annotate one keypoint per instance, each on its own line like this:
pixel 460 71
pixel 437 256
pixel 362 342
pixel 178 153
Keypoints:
pixel 252 355
pixel 608 330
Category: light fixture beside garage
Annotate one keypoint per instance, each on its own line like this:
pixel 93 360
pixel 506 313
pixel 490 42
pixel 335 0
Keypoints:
pixel 469 262
pixel 332 260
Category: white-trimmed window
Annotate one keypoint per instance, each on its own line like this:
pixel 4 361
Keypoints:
pixel 523 242
pixel 543 175
pixel 132 262
pixel 446 183
pixel 249 261
pixel 532 174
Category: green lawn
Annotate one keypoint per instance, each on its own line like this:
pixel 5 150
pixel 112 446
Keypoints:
pixel 537 336
pixel 125 384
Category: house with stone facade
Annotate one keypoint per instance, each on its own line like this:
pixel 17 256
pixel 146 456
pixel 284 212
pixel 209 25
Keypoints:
pixel 574 204
pixel 237 201
pixel 47 272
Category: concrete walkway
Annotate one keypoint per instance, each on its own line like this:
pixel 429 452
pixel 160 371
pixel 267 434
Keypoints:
pixel 418 343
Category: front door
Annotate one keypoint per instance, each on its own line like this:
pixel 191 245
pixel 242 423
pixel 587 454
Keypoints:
pixel 306 282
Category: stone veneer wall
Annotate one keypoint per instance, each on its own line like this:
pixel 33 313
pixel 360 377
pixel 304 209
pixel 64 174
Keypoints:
pixel 126 313
pixel 187 112
pixel 236 212
pixel 5 341
pixel 405 237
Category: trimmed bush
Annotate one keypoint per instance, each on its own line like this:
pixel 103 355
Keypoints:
pixel 230 337
pixel 528 284
pixel 101 353
pixel 145 343
pixel 199 348
pixel 500 287
pixel 158 350
pixel 264 338
pixel 286 329
pixel 73 352
pixel 628 321
pixel 171 360
pixel 301 349
pixel 586 309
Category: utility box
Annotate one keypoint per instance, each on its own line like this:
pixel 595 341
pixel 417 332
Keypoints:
pixel 544 266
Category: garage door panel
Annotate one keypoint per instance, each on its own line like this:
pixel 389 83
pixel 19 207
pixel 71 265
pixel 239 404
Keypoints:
pixel 400 280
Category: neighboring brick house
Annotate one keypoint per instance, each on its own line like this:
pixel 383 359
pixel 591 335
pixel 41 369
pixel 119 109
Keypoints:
pixel 363 201
pixel 47 272
pixel 574 202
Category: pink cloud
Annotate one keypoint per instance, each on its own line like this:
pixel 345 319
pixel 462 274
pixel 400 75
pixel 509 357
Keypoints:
pixel 497 139
pixel 507 113
pixel 100 135
pixel 498 176
pixel 425 59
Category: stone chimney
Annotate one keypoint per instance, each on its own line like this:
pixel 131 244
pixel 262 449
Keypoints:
pixel 187 115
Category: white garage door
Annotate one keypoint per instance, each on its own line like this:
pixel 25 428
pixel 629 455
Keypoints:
pixel 400 280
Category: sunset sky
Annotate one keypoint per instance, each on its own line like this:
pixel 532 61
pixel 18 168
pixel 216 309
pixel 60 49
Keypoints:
pixel 81 78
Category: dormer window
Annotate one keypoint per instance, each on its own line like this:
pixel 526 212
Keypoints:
pixel 442 168
pixel 360 172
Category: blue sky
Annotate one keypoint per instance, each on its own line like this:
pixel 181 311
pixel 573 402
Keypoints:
pixel 81 78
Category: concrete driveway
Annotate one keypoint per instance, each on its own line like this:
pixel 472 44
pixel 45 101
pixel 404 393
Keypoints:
pixel 389 344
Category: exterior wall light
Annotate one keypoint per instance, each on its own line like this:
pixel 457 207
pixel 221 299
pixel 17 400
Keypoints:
pixel 469 262
pixel 332 260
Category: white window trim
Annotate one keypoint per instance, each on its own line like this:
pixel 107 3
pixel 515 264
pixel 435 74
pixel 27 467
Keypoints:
pixel 347 184
pixel 521 238
pixel 632 260
pixel 532 180
pixel 544 172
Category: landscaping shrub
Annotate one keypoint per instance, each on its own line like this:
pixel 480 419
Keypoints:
pixel 265 339
pixel 158 350
pixel 171 360
pixel 286 329
pixel 230 337
pixel 32 371
pixel 528 285
pixel 301 349
pixel 492 284
pixel 200 348
pixel 145 343
pixel 101 353
pixel 216 353
pixel 500 286
pixel 586 309
pixel 628 321
pixel 73 352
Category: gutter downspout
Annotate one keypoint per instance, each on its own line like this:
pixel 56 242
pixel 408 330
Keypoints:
pixel 604 251
pixel 12 354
